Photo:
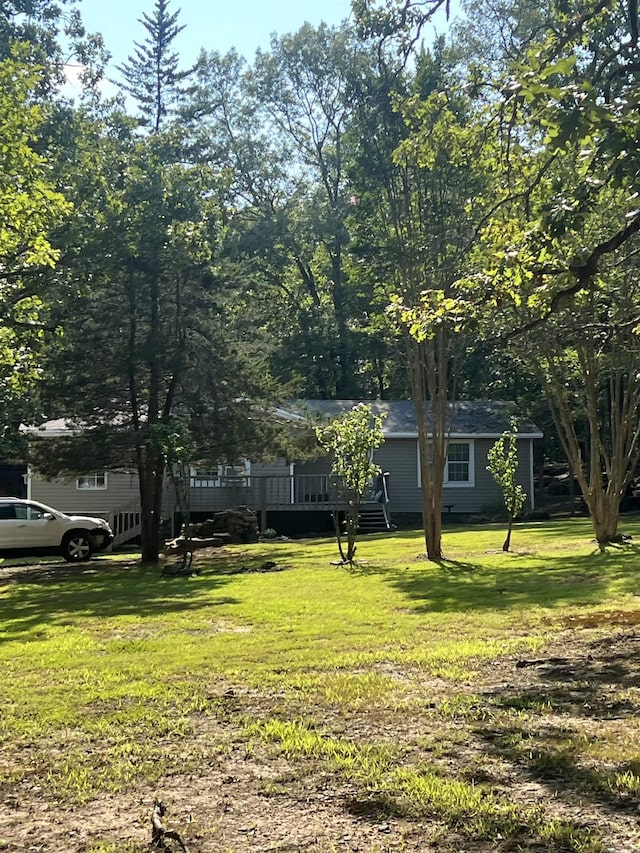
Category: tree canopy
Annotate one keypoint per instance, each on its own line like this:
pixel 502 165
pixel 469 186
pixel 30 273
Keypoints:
pixel 352 214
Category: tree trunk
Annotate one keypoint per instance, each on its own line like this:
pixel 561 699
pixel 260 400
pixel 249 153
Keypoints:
pixel 507 541
pixel 604 511
pixel 426 374
pixel 151 479
pixel 352 532
pixel 612 453
pixel 432 518
pixel 344 379
pixel 337 526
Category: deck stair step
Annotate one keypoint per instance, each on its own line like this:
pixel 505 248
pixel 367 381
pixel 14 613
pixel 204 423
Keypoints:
pixel 372 519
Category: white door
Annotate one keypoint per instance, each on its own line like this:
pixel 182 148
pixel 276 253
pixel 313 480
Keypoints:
pixel 7 526
pixel 35 528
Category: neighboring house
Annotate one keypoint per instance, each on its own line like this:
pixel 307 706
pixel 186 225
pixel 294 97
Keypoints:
pixel 297 496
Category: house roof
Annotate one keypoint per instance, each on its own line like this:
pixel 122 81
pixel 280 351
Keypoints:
pixel 50 429
pixel 467 418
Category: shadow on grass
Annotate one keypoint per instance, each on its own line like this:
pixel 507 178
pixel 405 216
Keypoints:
pixel 560 767
pixel 515 582
pixel 56 593
pixel 596 681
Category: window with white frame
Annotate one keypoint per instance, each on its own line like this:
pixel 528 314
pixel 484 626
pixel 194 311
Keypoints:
pixel 221 475
pixel 92 482
pixel 203 478
pixel 459 470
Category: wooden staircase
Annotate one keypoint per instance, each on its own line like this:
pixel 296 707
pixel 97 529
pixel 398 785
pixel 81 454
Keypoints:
pixel 372 518
pixel 125 521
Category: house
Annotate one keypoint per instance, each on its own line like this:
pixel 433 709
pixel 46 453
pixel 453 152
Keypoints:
pixel 297 496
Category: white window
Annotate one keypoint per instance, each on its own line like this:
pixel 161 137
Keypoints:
pixel 93 482
pixel 204 478
pixel 222 475
pixel 232 473
pixel 460 469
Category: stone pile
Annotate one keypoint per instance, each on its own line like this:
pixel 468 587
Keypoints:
pixel 240 525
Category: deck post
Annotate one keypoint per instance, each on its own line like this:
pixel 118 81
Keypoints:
pixel 263 504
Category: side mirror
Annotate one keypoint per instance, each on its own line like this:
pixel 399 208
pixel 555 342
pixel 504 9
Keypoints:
pixel 48 516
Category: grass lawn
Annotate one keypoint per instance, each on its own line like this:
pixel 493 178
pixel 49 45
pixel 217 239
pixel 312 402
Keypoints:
pixel 487 703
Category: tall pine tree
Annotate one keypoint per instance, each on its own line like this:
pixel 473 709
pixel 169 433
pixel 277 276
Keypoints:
pixel 152 74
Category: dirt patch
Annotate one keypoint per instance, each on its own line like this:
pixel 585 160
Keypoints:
pixel 535 730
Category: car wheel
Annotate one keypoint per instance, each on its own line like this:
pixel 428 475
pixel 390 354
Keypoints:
pixel 77 547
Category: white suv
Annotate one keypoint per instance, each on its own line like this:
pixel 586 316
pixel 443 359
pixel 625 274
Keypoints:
pixel 31 528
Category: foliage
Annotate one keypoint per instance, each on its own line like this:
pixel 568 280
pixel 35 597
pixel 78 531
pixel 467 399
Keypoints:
pixel 351 440
pixel 418 166
pixel 503 467
pixel 56 39
pixel 155 321
pixel 303 86
pixel 30 209
pixel 29 203
pixel 344 215
pixel 555 273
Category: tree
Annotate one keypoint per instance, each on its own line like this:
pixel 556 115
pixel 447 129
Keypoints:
pixel 587 358
pixel 559 281
pixel 420 165
pixel 30 209
pixel 351 440
pixel 303 85
pixel 152 74
pixel 54 35
pixel 152 336
pixel 30 205
pixel 503 467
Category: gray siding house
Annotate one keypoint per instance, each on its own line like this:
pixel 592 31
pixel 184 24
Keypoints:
pixel 297 496
pixel 474 427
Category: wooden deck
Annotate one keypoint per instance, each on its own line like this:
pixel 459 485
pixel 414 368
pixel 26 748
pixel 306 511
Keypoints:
pixel 298 493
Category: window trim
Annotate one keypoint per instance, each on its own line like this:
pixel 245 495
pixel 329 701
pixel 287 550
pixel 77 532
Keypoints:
pixel 461 484
pixel 454 484
pixel 95 487
pixel 215 477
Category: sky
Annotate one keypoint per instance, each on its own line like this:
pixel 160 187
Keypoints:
pixel 209 24
pixel 219 25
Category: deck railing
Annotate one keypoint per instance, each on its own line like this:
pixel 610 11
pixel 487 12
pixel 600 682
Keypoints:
pixel 302 491
pixel 261 493
pixel 125 522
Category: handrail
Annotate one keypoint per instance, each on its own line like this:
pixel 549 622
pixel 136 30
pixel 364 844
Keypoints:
pixel 126 522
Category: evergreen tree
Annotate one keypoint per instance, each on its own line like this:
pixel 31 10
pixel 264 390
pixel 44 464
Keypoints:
pixel 152 74
pixel 152 344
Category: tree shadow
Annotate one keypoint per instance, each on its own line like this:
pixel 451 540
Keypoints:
pixel 560 768
pixel 595 681
pixel 548 581
pixel 55 593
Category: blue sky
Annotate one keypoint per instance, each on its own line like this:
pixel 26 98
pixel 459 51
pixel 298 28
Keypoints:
pixel 209 24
